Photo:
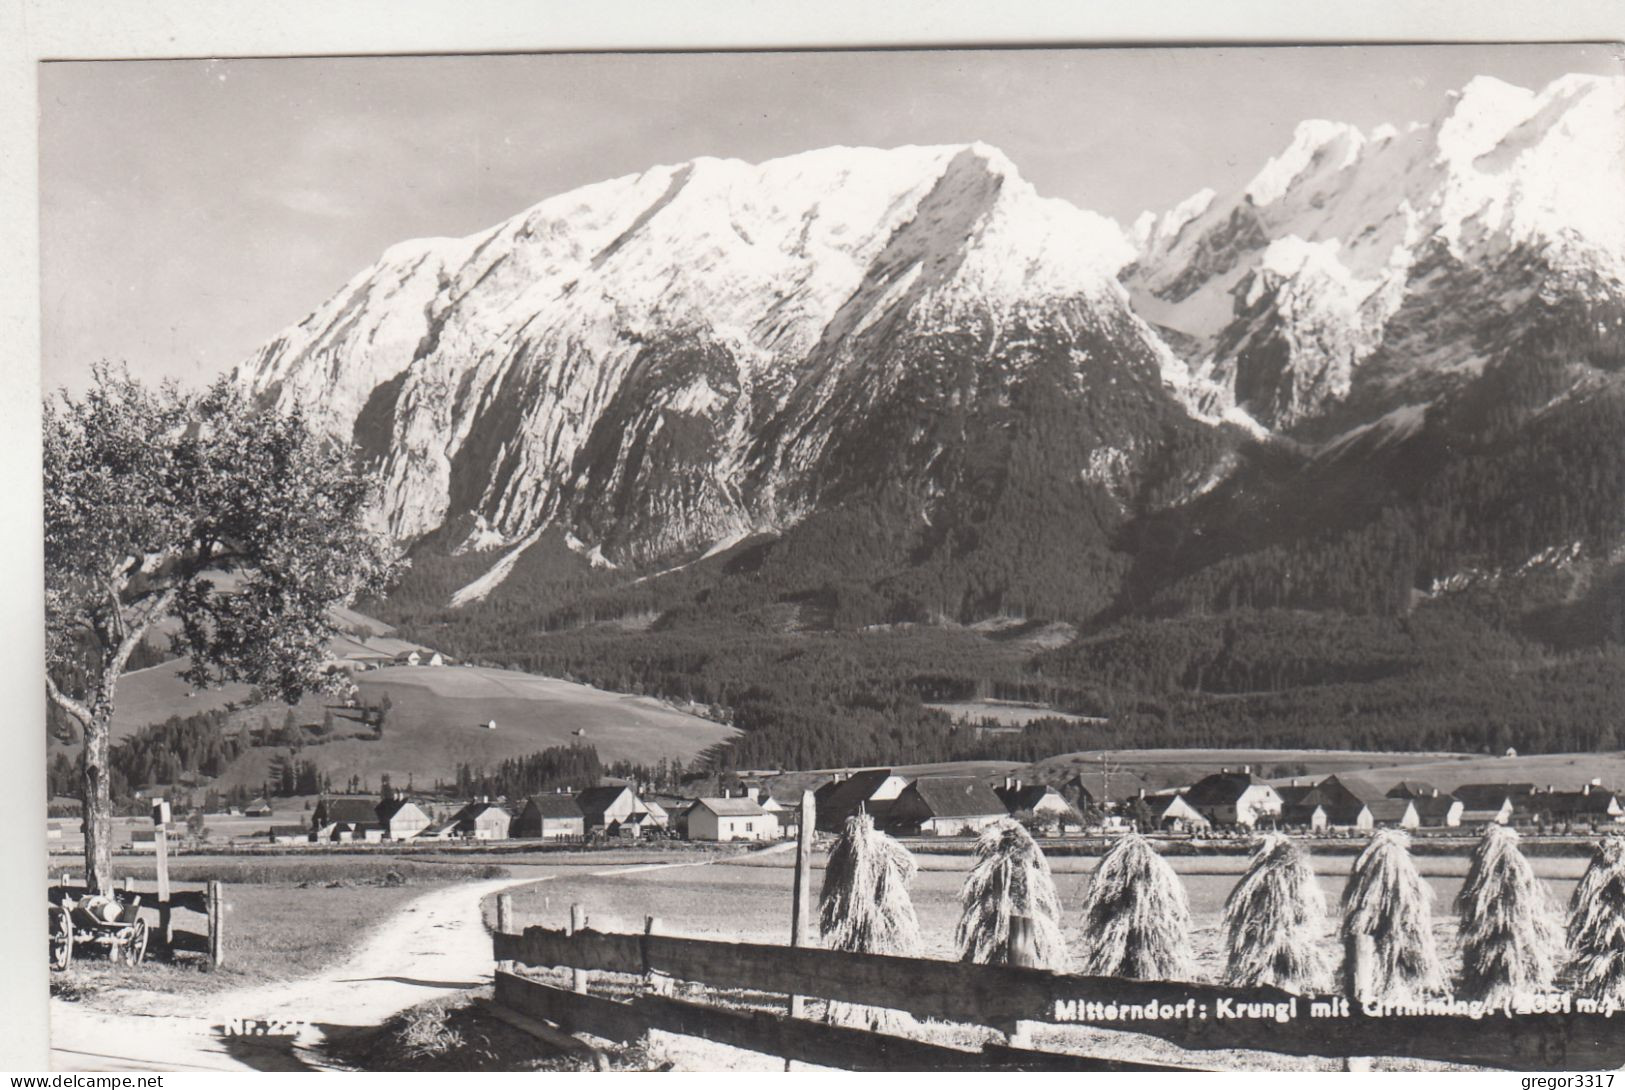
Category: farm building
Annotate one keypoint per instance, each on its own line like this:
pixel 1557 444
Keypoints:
pixel 1488 803
pixel 1165 812
pixel 614 810
pixel 1435 809
pixel 658 817
pixel 346 819
pixel 873 790
pixel 1234 798
pixel 730 819
pixel 1301 807
pixel 444 829
pixel 258 808
pixel 1591 805
pixel 1038 799
pixel 945 806
pixel 549 817
pixel 288 834
pixel 1393 813
pixel 401 820
pixel 482 820
pixel 1076 793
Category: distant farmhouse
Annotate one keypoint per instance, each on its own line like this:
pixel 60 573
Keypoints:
pixel 945 806
pixel 481 820
pixel 613 810
pixel 872 790
pixel 346 819
pixel 401 820
pixel 1165 811
pixel 724 820
pixel 1234 798
pixel 1042 801
pixel 549 817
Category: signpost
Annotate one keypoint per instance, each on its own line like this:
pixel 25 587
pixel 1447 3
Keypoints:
pixel 160 841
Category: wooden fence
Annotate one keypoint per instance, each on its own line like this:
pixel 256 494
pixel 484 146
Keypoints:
pixel 1190 1015
pixel 205 899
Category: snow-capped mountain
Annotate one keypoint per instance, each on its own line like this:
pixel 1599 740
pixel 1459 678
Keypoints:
pixel 668 359
pixel 659 363
pixel 1347 242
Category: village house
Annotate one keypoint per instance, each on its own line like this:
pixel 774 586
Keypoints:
pixel 258 808
pixel 1301 807
pixel 1164 811
pixel 1593 805
pixel 945 806
pixel 482 820
pixel 1234 798
pixel 1043 802
pixel 288 834
pixel 1489 803
pixel 549 817
pixel 873 790
pixel 346 819
pixel 613 810
pixel 401 820
pixel 1393 813
pixel 658 817
pixel 1435 809
pixel 730 819
pixel 1078 795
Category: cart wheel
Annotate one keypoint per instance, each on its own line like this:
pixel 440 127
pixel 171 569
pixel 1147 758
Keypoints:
pixel 62 942
pixel 136 948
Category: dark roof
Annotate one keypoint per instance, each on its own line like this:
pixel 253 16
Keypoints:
pixel 1388 809
pixel 288 830
pixel 1412 789
pixel 1221 788
pixel 1344 790
pixel 1488 796
pixel 476 810
pixel 555 806
pixel 853 792
pixel 1297 794
pixel 1434 806
pixel 1595 801
pixel 1026 797
pixel 956 796
pixel 387 810
pixel 349 811
pixel 595 800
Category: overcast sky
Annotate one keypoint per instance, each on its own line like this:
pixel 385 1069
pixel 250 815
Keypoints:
pixel 192 209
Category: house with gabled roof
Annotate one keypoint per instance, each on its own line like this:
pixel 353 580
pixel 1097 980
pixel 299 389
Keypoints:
pixel 1164 811
pixel 1489 803
pixel 723 820
pixel 482 820
pixel 1234 798
pixel 945 806
pixel 613 810
pixel 401 820
pixel 345 819
pixel 1591 805
pixel 1393 813
pixel 1301 807
pixel 873 790
pixel 1441 811
pixel 549 817
pixel 1042 801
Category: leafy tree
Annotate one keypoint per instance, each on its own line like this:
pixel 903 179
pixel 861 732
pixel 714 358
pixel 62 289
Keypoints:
pixel 239 522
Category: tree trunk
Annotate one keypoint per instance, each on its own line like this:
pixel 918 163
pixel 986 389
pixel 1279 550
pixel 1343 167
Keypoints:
pixel 97 802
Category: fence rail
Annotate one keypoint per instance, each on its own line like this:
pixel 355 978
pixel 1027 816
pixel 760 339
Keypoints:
pixel 1207 1017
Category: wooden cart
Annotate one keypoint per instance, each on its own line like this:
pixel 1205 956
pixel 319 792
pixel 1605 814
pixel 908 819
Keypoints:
pixel 74 925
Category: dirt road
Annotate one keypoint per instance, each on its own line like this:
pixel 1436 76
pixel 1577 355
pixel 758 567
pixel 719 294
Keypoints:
pixel 434 946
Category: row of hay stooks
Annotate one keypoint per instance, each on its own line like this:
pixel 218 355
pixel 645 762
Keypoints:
pixel 1135 918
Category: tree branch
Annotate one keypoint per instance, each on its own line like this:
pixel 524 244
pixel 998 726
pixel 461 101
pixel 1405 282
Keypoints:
pixel 73 707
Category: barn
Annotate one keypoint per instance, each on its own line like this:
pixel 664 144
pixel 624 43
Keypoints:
pixel 482 820
pixel 614 810
pixel 401 820
pixel 549 817
pixel 945 806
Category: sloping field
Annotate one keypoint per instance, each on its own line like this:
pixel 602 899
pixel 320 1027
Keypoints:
pixel 436 721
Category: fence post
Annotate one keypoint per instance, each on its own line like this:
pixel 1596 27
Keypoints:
pixel 1021 952
pixel 505 925
pixel 658 983
pixel 578 923
pixel 1359 951
pixel 217 923
pixel 801 906
pixel 160 836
